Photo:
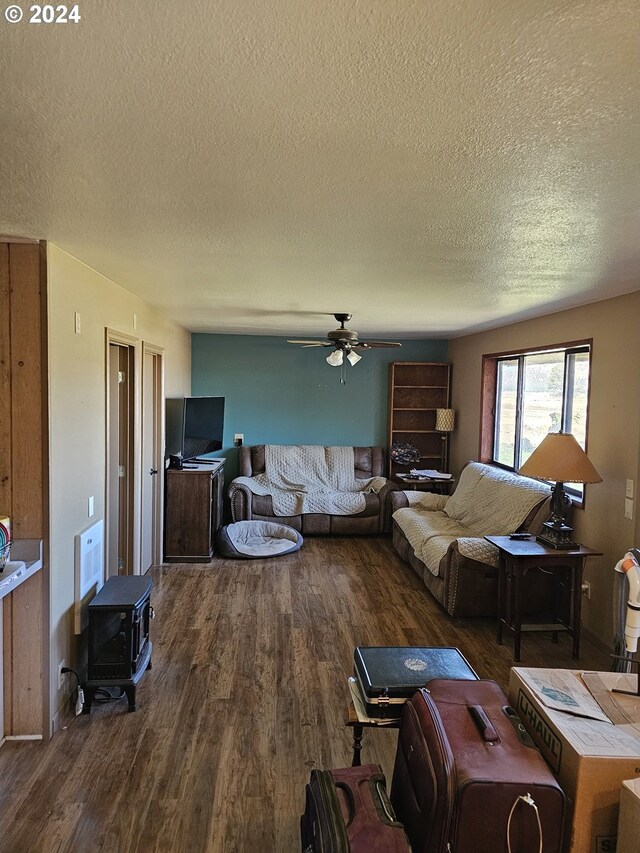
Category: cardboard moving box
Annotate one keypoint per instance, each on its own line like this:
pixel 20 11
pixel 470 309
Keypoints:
pixel 589 755
pixel 629 820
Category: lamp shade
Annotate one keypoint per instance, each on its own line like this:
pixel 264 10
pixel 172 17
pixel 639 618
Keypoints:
pixel 336 358
pixel 559 457
pixel 445 419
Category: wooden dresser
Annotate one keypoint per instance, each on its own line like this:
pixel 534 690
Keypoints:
pixel 193 512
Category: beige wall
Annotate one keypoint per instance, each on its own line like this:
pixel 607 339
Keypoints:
pixel 614 425
pixel 77 413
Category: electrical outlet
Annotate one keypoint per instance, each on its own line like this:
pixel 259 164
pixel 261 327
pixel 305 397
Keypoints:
pixel 628 508
pixel 62 665
pixel 238 439
pixel 586 589
pixel 90 509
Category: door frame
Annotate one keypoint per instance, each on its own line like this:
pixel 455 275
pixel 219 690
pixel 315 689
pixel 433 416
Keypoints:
pixel 113 336
pixel 158 455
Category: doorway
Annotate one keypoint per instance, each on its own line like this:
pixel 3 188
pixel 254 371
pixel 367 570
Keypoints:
pixel 120 455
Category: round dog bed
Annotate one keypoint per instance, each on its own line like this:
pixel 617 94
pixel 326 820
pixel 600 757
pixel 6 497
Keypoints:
pixel 252 540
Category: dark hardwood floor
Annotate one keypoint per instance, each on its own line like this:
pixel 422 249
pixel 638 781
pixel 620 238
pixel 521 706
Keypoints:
pixel 247 694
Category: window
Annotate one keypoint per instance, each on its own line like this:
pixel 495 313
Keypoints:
pixel 531 394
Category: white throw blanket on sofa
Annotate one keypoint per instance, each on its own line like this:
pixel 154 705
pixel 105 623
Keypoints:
pixel 487 501
pixel 311 478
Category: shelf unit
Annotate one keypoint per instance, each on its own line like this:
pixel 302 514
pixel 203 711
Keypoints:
pixel 416 390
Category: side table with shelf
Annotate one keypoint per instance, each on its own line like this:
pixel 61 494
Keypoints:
pixel 425 484
pixel 519 556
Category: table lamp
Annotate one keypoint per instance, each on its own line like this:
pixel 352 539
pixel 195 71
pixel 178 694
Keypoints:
pixel 559 457
pixel 445 419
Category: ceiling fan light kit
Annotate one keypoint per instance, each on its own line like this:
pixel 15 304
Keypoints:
pixel 344 342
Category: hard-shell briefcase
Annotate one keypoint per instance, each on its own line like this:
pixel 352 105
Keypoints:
pixel 465 779
pixel 348 811
pixel 389 675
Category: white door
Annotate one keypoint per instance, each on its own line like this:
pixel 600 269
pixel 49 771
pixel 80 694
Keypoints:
pixel 120 458
pixel 152 470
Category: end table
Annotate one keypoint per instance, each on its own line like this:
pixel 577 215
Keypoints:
pixel 516 558
pixel 425 484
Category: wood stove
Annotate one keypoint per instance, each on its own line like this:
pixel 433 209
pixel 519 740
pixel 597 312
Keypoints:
pixel 119 644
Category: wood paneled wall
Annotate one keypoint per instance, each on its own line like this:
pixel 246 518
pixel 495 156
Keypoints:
pixel 24 479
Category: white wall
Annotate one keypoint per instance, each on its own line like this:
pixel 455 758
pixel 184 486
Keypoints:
pixel 613 430
pixel 77 395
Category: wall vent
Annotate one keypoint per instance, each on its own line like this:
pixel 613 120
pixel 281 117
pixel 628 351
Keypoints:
pixel 89 571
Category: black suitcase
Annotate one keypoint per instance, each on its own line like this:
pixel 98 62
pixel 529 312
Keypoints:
pixel 389 675
pixel 465 779
pixel 348 811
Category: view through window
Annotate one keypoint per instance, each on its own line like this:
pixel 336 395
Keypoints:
pixel 538 393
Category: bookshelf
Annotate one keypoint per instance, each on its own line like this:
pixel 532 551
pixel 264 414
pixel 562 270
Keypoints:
pixel 416 390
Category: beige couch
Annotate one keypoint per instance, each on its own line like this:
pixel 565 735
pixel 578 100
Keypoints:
pixel 442 537
pixel 373 519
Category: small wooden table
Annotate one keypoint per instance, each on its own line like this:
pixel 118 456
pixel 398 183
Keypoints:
pixel 425 484
pixel 359 723
pixel 516 558
pixel 397 668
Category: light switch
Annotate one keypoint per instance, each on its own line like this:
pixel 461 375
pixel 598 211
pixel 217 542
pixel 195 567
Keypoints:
pixel 629 489
pixel 628 508
pixel 77 322
pixel 90 507
pixel 238 439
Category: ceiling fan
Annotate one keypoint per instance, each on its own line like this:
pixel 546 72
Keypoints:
pixel 344 342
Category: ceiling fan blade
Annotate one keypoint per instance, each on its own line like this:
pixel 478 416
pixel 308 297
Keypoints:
pixel 374 344
pixel 312 343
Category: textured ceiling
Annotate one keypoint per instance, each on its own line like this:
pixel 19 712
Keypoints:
pixel 432 167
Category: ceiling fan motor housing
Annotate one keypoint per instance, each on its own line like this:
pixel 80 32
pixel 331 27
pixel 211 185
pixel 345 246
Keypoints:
pixel 343 336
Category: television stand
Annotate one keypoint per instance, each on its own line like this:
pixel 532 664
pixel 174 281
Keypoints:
pixel 193 511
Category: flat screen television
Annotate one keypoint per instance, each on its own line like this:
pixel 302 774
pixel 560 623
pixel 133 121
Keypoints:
pixel 194 426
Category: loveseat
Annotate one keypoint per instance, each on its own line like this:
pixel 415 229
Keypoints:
pixel 442 537
pixel 367 468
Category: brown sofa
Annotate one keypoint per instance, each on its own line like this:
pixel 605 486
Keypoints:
pixel 375 517
pixel 443 549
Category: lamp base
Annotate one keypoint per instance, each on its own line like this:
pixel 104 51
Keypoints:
pixel 558 536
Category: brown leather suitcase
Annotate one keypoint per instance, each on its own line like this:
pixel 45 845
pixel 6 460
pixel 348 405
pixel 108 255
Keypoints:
pixel 465 779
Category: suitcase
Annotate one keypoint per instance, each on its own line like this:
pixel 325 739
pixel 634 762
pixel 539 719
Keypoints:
pixel 348 811
pixel 389 675
pixel 468 779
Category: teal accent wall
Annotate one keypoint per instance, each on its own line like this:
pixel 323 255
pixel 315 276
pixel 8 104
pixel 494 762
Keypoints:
pixel 278 393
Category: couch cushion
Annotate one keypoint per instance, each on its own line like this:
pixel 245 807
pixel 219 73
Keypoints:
pixel 492 501
pixel 368 461
pixel 262 505
pixel 428 533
